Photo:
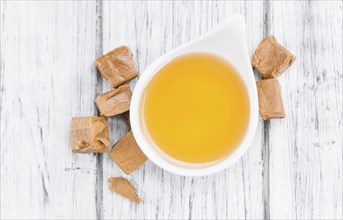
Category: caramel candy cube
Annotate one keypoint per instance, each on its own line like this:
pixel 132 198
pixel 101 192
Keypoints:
pixel 89 134
pixel 127 154
pixel 271 59
pixel 114 102
pixel 270 99
pixel 117 66
pixel 124 188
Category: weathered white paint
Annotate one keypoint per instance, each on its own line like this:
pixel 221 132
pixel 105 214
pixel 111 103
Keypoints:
pixel 155 29
pixel 306 147
pixel 292 170
pixel 47 50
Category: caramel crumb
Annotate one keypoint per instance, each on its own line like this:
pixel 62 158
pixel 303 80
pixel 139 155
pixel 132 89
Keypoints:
pixel 270 99
pixel 117 66
pixel 114 102
pixel 127 154
pixel 89 134
pixel 124 188
pixel 271 59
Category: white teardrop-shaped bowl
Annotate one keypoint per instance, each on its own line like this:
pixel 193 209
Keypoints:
pixel 227 40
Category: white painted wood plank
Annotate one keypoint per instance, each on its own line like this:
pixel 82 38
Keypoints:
pixel 150 30
pixel 46 77
pixel 306 147
pixel 47 51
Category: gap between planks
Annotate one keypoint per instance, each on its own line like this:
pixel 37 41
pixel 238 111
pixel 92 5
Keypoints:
pixel 98 90
pixel 266 128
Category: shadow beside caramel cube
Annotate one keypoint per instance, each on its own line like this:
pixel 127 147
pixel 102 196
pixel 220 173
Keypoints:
pixel 271 59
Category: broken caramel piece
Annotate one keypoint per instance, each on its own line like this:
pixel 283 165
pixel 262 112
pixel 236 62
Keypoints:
pixel 89 134
pixel 124 188
pixel 114 102
pixel 270 99
pixel 117 66
pixel 127 154
pixel 271 59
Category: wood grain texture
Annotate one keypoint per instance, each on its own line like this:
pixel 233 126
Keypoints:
pixel 47 51
pixel 150 30
pixel 306 147
pixel 293 168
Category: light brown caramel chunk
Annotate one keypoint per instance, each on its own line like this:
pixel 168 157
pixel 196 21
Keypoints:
pixel 127 154
pixel 270 99
pixel 89 134
pixel 117 66
pixel 271 59
pixel 114 102
pixel 124 188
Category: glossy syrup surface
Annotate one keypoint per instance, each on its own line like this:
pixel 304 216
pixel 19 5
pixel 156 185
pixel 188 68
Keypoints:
pixel 196 108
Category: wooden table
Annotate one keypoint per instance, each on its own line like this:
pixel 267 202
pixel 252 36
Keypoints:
pixel 293 168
